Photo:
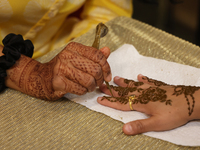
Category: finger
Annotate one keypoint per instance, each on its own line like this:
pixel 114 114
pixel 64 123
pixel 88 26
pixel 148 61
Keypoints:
pixel 126 83
pixel 115 105
pixel 158 122
pixel 94 55
pixel 80 77
pixel 105 90
pixel 89 67
pixel 121 104
pixel 120 81
pixel 105 51
pixel 118 91
pixel 142 126
pixel 130 87
pixel 150 81
pixel 74 62
pixel 68 86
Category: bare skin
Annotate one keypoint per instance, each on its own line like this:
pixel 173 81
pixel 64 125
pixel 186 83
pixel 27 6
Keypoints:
pixel 77 69
pixel 162 116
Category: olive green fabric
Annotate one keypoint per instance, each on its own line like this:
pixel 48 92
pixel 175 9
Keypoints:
pixel 30 123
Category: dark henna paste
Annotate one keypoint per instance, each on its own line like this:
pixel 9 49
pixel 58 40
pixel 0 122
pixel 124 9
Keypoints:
pixel 155 82
pixel 188 91
pixel 152 94
pixel 132 86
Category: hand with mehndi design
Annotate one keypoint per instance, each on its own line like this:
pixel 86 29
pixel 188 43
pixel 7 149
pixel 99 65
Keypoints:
pixel 167 106
pixel 76 69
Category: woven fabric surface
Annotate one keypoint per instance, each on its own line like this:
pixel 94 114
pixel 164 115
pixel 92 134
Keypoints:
pixel 30 123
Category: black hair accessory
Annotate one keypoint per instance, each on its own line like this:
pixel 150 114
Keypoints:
pixel 14 46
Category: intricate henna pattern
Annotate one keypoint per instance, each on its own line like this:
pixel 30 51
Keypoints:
pixel 72 70
pixel 132 86
pixel 39 82
pixel 92 54
pixel 153 94
pixel 150 94
pixel 155 82
pixel 86 66
pixel 188 92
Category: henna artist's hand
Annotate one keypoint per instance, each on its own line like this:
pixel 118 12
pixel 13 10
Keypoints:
pixel 77 69
pixel 167 106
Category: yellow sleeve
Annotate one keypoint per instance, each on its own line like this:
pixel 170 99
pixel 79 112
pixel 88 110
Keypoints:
pixel 105 10
pixel 100 11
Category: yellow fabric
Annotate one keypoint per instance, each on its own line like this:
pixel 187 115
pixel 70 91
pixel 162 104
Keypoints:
pixel 52 23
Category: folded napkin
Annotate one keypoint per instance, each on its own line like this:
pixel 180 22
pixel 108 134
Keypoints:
pixel 128 63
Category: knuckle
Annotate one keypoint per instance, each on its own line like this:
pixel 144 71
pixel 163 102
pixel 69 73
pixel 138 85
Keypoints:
pixel 97 74
pixel 99 81
pixel 90 84
pixel 106 68
pixel 100 57
pixel 57 83
pixel 71 44
pixel 82 91
pixel 140 128
pixel 78 90
pixel 97 71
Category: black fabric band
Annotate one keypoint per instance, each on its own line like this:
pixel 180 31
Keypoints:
pixel 14 46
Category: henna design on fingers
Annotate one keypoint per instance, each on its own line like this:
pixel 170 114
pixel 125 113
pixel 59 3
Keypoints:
pixel 74 61
pixel 153 94
pixel 91 53
pixel 122 100
pixel 132 86
pixel 123 91
pixel 131 83
pixel 155 82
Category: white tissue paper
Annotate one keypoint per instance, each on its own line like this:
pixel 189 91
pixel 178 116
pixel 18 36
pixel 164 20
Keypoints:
pixel 128 63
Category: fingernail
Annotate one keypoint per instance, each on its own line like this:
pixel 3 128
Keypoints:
pixel 99 98
pixel 128 128
pixel 109 78
pixel 117 77
pixel 141 75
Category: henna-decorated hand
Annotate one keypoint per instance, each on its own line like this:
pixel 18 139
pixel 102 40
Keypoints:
pixel 167 106
pixel 77 69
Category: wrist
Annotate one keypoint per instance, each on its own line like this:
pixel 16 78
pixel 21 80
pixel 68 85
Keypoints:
pixel 33 78
pixel 14 46
pixel 18 72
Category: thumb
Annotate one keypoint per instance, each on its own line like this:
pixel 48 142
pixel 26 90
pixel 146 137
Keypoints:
pixel 141 126
pixel 105 51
